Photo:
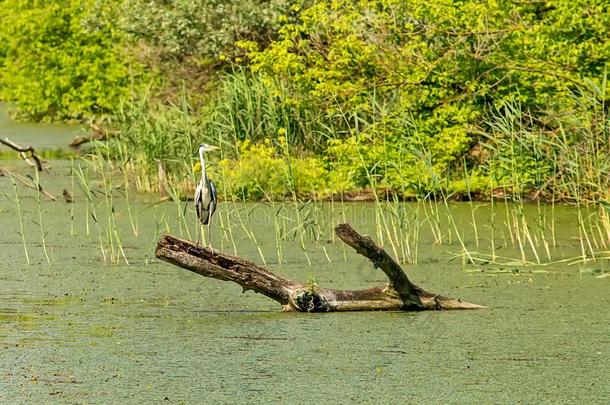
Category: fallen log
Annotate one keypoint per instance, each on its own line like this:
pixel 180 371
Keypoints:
pixel 399 294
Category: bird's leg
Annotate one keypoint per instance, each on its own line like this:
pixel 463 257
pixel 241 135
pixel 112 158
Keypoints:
pixel 209 235
pixel 198 231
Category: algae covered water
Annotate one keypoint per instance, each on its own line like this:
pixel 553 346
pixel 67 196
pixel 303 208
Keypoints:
pixel 98 320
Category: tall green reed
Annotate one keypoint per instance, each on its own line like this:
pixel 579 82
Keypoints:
pixel 43 232
pixel 21 228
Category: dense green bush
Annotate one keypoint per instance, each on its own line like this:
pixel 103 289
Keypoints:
pixel 55 65
pixel 202 28
pixel 415 96
pixel 78 58
pixel 188 43
pixel 414 83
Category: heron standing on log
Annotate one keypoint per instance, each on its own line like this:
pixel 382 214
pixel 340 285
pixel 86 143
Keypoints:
pixel 205 193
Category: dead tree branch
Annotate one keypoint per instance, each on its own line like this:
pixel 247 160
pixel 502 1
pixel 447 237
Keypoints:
pixel 399 294
pixel 23 151
pixel 29 182
pixel 97 134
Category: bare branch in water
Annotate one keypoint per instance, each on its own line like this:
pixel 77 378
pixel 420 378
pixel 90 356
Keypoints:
pixel 28 181
pixel 37 161
pixel 97 134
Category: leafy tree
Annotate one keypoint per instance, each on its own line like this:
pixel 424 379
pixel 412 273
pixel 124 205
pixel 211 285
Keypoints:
pixel 421 77
pixel 56 65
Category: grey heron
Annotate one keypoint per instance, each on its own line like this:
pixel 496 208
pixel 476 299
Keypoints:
pixel 205 193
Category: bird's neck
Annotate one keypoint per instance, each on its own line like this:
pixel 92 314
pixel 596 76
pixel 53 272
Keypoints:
pixel 202 161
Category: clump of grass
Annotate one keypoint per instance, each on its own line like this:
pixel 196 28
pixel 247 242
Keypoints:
pixel 253 107
pixel 82 177
pixel 113 234
pixel 150 133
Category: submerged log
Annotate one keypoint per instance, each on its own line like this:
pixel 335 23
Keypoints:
pixel 399 294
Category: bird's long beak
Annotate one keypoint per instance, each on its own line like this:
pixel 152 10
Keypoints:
pixel 208 148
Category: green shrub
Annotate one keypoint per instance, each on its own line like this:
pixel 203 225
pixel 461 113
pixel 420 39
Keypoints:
pixel 57 66
pixel 329 96
pixel 423 76
pixel 203 28
pixel 264 172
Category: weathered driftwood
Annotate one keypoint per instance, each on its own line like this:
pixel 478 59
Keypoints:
pixel 97 134
pixel 28 181
pixel 33 159
pixel 29 155
pixel 399 294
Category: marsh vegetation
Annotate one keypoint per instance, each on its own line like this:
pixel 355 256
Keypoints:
pixel 312 99
pixel 471 140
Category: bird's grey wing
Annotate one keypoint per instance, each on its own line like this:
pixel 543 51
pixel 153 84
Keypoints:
pixel 213 199
pixel 206 201
pixel 199 202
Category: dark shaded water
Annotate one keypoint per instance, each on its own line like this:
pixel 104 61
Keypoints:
pixel 82 331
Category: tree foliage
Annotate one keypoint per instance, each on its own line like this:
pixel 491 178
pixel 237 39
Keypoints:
pixel 205 29
pixel 54 64
pixel 419 79
pixel 408 95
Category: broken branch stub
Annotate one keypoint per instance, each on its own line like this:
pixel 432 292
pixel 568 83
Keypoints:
pixel 33 159
pixel 399 294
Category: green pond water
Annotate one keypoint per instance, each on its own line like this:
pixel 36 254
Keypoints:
pixel 40 136
pixel 80 329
